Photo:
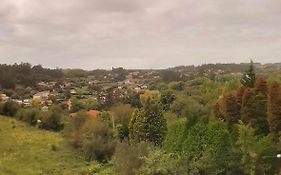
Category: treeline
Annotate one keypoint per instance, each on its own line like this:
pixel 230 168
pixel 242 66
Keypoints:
pixel 26 75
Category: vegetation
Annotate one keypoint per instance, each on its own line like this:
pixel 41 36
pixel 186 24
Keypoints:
pixel 210 119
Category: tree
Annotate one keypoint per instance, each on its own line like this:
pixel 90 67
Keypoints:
pixel 249 77
pixel 257 153
pixel 231 109
pixel 121 114
pixel 274 109
pixel 259 118
pixel 167 98
pixel 148 123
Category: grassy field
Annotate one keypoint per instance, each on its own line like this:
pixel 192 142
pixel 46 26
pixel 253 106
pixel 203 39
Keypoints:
pixel 30 151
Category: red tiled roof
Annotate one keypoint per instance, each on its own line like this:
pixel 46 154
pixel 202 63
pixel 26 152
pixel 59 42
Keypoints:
pixel 93 113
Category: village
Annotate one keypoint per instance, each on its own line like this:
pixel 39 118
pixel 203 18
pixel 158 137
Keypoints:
pixel 105 91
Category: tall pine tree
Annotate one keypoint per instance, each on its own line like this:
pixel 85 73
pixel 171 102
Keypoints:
pixel 249 77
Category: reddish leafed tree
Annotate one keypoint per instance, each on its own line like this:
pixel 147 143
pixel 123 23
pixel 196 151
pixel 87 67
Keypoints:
pixel 248 109
pixel 239 95
pixel 259 117
pixel 261 86
pixel 274 108
pixel 231 109
pixel 218 112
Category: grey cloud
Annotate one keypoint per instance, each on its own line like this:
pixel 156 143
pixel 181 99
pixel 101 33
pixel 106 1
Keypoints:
pixel 130 33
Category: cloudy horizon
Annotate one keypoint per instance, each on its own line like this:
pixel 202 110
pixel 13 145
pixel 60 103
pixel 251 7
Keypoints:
pixel 92 34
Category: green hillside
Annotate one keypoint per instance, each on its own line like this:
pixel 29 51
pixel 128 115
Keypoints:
pixel 29 151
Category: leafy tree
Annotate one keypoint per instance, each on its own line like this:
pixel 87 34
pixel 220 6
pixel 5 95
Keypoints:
pixel 249 77
pixel 248 105
pixel 205 144
pixel 121 114
pixel 167 98
pixel 257 154
pixel 148 123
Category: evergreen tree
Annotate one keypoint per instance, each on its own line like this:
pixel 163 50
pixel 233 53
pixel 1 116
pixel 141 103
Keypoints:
pixel 274 108
pixel 249 77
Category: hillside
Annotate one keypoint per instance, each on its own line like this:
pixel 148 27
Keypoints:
pixel 29 151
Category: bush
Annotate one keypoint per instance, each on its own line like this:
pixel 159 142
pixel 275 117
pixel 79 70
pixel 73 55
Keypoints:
pixel 98 143
pixel 28 115
pixel 10 108
pixel 160 163
pixel 50 120
pixel 127 158
pixel 93 136
pixel 73 130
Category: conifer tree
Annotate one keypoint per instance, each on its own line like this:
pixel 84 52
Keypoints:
pixel 249 77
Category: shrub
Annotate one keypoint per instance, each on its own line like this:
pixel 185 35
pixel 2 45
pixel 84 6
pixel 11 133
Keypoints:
pixel 10 108
pixel 127 158
pixel 98 143
pixel 28 115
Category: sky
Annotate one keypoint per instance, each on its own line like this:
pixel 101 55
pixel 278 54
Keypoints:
pixel 92 34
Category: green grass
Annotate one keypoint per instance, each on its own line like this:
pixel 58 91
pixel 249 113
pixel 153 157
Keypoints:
pixel 30 151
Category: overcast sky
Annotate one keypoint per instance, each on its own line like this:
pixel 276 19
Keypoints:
pixel 139 33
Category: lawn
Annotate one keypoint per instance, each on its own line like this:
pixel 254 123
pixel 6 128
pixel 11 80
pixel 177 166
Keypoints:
pixel 30 151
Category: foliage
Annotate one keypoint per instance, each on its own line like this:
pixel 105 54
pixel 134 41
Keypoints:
pixel 231 109
pixel 274 108
pixel 161 163
pixel 148 123
pixel 98 143
pixel 205 144
pixel 9 108
pixel 25 75
pixel 51 120
pixel 27 150
pixel 28 115
pixel 167 98
pixel 92 135
pixel 128 158
pixel 121 114
pixel 249 77
pixel 258 154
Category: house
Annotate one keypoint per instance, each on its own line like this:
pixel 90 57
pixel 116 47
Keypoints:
pixel 41 97
pixel 5 98
pixel 45 108
pixel 27 102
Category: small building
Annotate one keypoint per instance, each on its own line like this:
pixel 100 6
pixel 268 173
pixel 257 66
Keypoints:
pixel 41 97
pixel 45 108
pixel 5 98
